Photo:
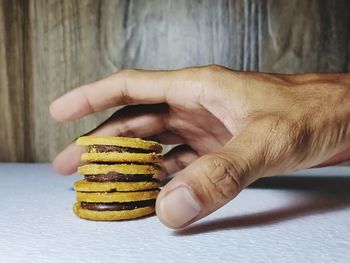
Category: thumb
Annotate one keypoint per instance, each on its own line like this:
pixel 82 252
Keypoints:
pixel 213 180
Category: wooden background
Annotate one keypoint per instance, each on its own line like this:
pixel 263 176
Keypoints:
pixel 50 46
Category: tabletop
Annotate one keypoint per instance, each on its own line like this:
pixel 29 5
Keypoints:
pixel 289 218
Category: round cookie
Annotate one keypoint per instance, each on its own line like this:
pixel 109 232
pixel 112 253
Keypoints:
pixel 85 186
pixel 110 197
pixel 118 182
pixel 115 157
pixel 112 215
pixel 118 168
pixel 120 141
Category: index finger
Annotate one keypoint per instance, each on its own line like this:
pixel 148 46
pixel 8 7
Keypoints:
pixel 122 88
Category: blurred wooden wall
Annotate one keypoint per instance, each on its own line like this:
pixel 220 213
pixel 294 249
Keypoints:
pixel 47 47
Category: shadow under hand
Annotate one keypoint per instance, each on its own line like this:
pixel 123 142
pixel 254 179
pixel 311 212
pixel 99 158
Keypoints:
pixel 319 195
pixel 333 184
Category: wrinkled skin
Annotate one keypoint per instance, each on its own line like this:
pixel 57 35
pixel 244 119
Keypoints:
pixel 232 128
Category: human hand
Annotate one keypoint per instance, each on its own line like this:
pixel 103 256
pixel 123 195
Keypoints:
pixel 232 128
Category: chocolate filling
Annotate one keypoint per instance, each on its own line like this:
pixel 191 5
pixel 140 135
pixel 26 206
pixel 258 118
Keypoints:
pixel 113 148
pixel 116 177
pixel 117 206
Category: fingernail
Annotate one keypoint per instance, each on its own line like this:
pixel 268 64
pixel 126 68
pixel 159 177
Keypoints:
pixel 179 207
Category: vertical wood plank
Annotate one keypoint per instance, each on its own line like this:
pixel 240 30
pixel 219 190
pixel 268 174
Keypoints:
pixel 190 33
pixel 12 100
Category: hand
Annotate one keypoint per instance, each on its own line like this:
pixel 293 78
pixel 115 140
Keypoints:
pixel 232 128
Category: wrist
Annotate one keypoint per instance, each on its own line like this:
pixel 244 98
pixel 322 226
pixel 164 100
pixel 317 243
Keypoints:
pixel 326 101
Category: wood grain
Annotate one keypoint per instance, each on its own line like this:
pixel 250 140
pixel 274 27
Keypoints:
pixel 69 48
pixel 12 91
pixel 48 47
pixel 306 36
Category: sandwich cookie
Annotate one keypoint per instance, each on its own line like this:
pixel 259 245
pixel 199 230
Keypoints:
pixel 119 150
pixel 118 187
pixel 121 211
pixel 117 177
pixel 86 186
pixel 118 172
pixel 109 206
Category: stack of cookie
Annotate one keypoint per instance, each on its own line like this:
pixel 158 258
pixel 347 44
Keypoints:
pixel 119 181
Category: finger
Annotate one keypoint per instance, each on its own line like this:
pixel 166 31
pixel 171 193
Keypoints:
pixel 212 180
pixel 67 161
pixel 177 159
pixel 167 137
pixel 122 88
pixel 135 121
pixel 132 121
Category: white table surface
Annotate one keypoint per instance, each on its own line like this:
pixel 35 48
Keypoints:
pixel 282 219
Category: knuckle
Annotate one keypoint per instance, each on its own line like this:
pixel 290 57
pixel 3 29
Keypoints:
pixel 214 68
pixel 176 125
pixel 223 178
pixel 214 77
pixel 124 76
pixel 88 102
pixel 126 72
pixel 204 73
pixel 211 72
pixel 125 95
pixel 209 78
pixel 191 72
pixel 200 80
